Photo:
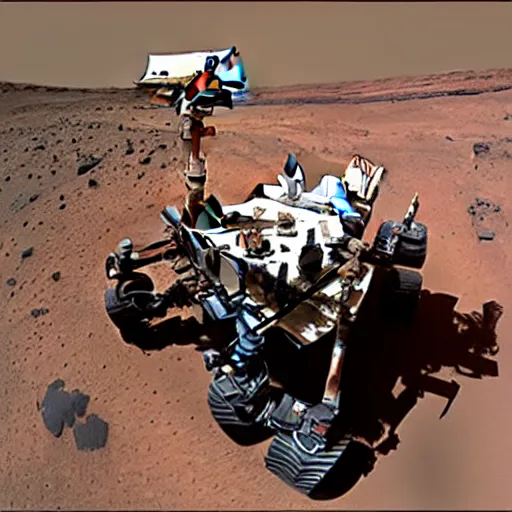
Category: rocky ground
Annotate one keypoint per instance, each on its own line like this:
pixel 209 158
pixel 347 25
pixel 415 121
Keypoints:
pixel 82 169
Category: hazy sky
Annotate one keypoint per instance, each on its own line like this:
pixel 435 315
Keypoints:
pixel 103 43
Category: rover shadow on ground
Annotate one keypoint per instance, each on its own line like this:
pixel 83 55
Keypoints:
pixel 384 352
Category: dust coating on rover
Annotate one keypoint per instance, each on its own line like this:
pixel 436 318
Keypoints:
pixel 288 266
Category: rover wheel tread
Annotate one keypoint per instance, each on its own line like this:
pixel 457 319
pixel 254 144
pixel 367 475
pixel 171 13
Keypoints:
pixel 121 308
pixel 299 469
pixel 241 432
pixel 412 250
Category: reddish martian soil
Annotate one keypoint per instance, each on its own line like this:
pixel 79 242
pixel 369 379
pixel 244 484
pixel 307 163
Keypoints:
pixel 164 450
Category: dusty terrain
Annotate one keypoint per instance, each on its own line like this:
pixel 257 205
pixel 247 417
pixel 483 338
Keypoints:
pixel 164 451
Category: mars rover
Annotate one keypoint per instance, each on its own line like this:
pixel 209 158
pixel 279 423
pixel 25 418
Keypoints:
pixel 286 266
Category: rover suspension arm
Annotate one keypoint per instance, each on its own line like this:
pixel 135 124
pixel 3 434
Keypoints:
pixel 331 396
pixel 124 260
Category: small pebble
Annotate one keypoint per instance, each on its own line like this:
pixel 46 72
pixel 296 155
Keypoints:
pixel 39 312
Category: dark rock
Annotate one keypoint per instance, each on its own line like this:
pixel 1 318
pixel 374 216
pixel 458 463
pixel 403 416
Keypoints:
pixel 92 434
pixel 129 150
pixel 56 409
pixel 33 198
pixel 62 206
pixel 41 147
pixel 73 140
pixel 141 175
pixel 162 146
pixel 285 248
pixel 27 252
pixel 39 312
pixel 61 197
pixel 79 402
pixel 486 235
pixel 481 148
pixel 88 163
pixel 92 183
pixel 163 166
pixel 508 117
pixel 11 281
pixel 59 407
pixel 447 137
pixel 471 210
pixel 56 276
pixel 146 161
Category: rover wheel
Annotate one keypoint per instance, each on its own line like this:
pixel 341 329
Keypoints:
pixel 411 251
pixel 411 248
pixel 244 431
pixel 402 294
pixel 125 302
pixel 324 475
